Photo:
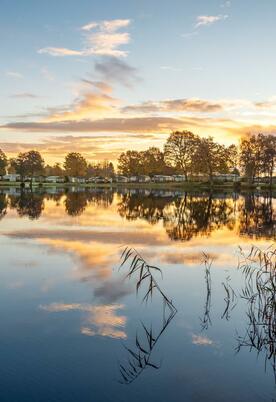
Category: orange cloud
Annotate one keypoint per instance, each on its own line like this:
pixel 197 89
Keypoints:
pixel 85 107
pixel 101 320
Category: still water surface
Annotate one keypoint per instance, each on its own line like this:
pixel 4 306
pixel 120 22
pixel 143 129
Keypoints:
pixel 69 317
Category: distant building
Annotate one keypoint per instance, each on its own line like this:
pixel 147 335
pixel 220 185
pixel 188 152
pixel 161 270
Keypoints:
pixel 12 177
pixel 54 179
pixel 143 179
pixel 179 177
pixel 39 179
pixel 121 179
pixel 78 180
pixel 227 177
pixel 100 180
pixel 162 179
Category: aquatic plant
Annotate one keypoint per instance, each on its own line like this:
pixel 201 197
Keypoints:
pixel 140 357
pixel 259 268
pixel 206 319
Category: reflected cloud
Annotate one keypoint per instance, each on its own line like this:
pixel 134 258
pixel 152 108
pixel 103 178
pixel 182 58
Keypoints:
pixel 201 340
pixel 113 290
pixel 102 320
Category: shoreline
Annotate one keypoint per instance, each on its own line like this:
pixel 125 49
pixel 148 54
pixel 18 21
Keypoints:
pixel 227 186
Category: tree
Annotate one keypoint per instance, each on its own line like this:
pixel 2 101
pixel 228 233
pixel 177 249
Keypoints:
pixel 211 157
pixel 180 149
pixel 75 165
pixel 250 157
pixel 17 166
pixel 55 170
pixel 268 154
pixel 233 159
pixel 34 163
pixel 129 163
pixel 153 161
pixel 107 169
pixel 28 164
pixel 3 163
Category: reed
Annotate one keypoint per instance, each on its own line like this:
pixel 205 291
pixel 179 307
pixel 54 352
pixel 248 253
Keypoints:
pixel 140 357
pixel 259 268
pixel 206 319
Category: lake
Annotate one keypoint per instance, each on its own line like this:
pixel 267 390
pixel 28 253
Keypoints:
pixel 74 327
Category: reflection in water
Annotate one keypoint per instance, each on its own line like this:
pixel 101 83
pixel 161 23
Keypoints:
pixel 258 217
pixel 259 270
pixel 206 320
pixel 184 215
pixel 76 202
pixel 101 320
pixel 27 203
pixel 190 216
pixel 85 303
pixel 140 357
pixel 3 205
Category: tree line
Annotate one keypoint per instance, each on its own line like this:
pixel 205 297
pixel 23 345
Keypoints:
pixel 184 153
pixel 30 164
pixel 188 154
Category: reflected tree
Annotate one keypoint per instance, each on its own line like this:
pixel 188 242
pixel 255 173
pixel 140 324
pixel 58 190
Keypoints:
pixel 138 206
pixel 184 217
pixel 191 216
pixel 3 205
pixel 75 203
pixel 257 216
pixel 28 204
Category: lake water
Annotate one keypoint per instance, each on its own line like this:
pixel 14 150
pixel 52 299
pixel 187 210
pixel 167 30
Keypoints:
pixel 73 327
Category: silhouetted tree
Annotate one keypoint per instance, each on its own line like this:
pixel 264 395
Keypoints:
pixel 211 158
pixel 179 151
pixel 28 164
pixel 3 163
pixel 75 165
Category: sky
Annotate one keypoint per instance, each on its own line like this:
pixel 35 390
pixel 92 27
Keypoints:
pixel 100 77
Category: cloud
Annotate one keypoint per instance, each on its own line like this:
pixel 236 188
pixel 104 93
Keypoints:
pixel 72 240
pixel 59 51
pixel 102 320
pixel 100 38
pixel 206 20
pixel 85 106
pixel 107 26
pixel 129 125
pixel 269 104
pixel 177 105
pixel 14 74
pixel 111 291
pixel 116 71
pixel 100 85
pixel 201 340
pixel 188 105
pixel 24 95
pixel 106 146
